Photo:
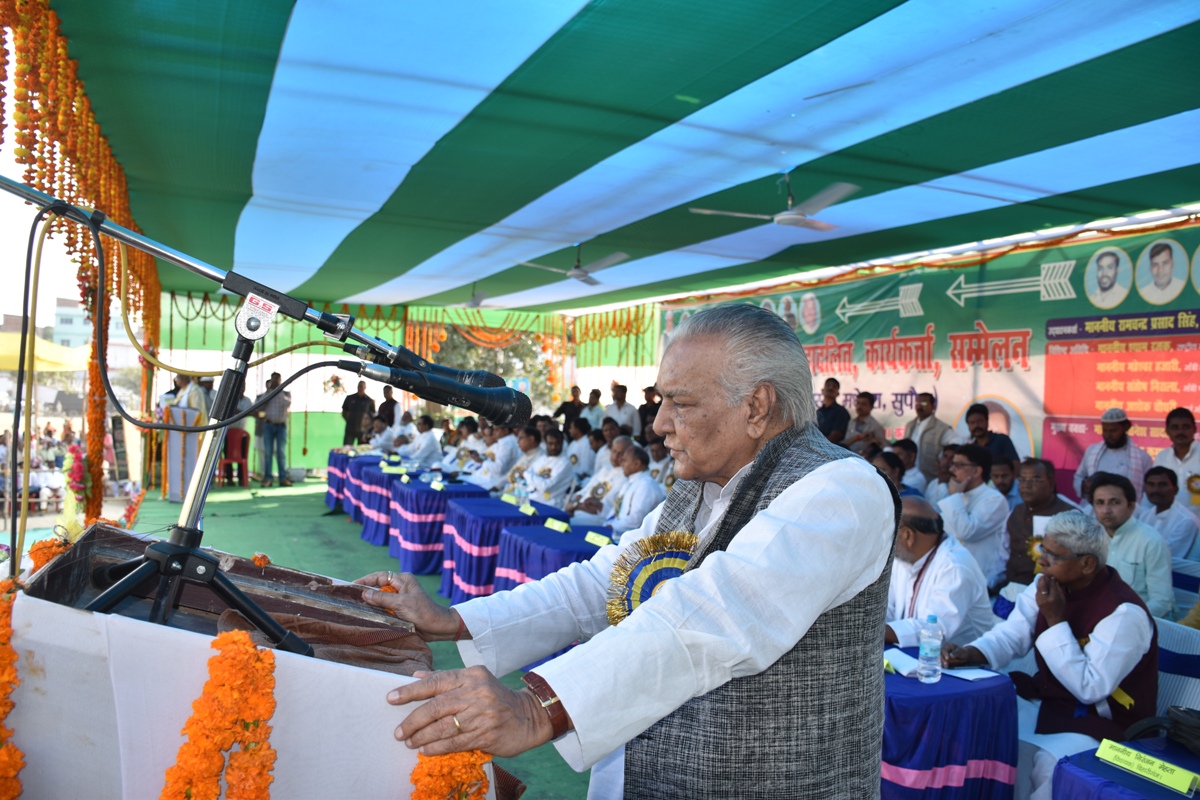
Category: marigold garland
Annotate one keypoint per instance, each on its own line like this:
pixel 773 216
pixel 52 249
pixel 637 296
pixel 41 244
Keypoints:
pixel 455 776
pixel 45 551
pixel 261 560
pixel 12 760
pixel 237 701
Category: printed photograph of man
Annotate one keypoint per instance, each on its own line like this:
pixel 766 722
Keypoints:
pixel 810 312
pixel 1108 277
pixel 1156 272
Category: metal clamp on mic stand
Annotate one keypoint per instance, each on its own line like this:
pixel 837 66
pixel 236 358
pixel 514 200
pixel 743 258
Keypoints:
pixel 179 560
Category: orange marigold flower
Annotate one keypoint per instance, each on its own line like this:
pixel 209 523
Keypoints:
pixel 44 551
pixel 455 776
pixel 261 560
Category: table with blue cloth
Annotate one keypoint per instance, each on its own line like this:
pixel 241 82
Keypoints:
pixel 336 474
pixel 530 552
pixel 1085 777
pixel 471 538
pixel 954 739
pixel 352 490
pixel 374 502
pixel 417 512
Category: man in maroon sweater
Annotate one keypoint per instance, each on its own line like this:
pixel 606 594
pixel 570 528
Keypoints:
pixel 1095 644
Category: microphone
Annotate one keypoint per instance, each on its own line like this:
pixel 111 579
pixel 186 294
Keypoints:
pixel 500 404
pixel 407 359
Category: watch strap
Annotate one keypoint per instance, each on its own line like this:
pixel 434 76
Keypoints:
pixel 549 700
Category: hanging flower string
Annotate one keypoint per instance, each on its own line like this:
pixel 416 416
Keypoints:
pixel 12 760
pixel 46 550
pixel 77 475
pixel 237 701
pixel 456 776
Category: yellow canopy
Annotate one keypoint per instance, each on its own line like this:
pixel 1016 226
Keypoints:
pixel 50 357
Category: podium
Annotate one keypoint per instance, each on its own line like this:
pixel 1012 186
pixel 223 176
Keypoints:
pixel 181 450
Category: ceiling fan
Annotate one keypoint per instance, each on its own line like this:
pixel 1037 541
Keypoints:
pixel 797 215
pixel 583 273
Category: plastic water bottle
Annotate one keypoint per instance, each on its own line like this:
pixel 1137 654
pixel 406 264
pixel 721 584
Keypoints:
pixel 929 663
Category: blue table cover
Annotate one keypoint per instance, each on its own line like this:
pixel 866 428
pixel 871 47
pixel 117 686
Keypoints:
pixel 336 475
pixel 471 538
pixel 1085 777
pixel 352 489
pixel 416 514
pixel 953 739
pixel 374 501
pixel 530 552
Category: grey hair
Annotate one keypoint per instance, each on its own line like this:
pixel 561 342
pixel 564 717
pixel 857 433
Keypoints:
pixel 761 349
pixel 1080 534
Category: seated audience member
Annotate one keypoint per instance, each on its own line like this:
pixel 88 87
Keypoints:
pixel 495 462
pixel 1161 510
pixel 832 417
pixel 529 442
pixel 891 465
pixel 611 430
pixel 579 450
pixel 1004 481
pixel 405 430
pixel 458 458
pixel 640 495
pixel 939 486
pixel 906 449
pixel 998 444
pixel 549 477
pixel 1115 454
pixel 1028 520
pixel 975 513
pixel 933 574
pixel 592 504
pixel 863 430
pixel 660 460
pixel 1096 648
pixel 1137 552
pixel 425 448
pixel 381 436
pixel 364 431
pixel 1183 457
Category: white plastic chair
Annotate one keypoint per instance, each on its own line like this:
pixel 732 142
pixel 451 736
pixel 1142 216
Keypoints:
pixel 1185 580
pixel 1175 689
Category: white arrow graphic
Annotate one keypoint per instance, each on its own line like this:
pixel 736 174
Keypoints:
pixel 1053 284
pixel 907 302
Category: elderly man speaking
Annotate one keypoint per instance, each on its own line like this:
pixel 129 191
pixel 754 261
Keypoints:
pixel 751 672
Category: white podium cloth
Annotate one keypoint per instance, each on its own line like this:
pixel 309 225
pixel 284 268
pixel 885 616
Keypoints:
pixel 181 450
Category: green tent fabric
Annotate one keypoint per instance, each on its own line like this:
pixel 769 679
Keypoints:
pixel 426 153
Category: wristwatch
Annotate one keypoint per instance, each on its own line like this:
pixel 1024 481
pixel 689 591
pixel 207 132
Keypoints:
pixel 549 700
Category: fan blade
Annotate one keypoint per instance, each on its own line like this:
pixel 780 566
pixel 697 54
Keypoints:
pixel 539 266
pixel 476 300
pixel 825 198
pixel 588 279
pixel 610 260
pixel 714 212
pixel 794 220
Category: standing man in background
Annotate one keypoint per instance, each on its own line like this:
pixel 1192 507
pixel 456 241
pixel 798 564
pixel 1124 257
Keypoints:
pixel 930 434
pixel 387 409
pixel 274 418
pixel 354 407
pixel 832 417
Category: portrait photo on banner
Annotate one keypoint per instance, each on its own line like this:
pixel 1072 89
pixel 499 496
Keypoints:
pixel 1108 277
pixel 1162 271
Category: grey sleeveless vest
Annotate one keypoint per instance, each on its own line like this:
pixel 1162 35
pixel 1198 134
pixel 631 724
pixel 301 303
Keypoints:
pixel 811 724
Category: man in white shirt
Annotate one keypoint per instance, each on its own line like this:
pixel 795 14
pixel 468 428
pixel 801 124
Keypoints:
pixel 975 513
pixel 529 442
pixel 660 461
pixel 640 495
pixel 1097 653
pixel 549 477
pixel 425 448
pixel 1004 481
pixel 938 488
pixel 381 436
pixel 754 606
pixel 1183 456
pixel 457 456
pixel 933 574
pixel 625 414
pixel 1161 510
pixel 495 462
pixel 404 431
pixel 1115 453
pixel 1165 285
pixel 579 451
pixel 611 430
pixel 906 449
pixel 1108 292
pixel 1136 550
pixel 592 504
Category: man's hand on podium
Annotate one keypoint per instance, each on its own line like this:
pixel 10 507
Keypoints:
pixel 409 602
pixel 469 709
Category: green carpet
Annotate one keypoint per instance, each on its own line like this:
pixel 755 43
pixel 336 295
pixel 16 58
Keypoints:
pixel 290 526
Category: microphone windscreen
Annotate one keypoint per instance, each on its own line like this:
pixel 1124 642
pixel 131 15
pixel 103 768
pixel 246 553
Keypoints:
pixel 522 411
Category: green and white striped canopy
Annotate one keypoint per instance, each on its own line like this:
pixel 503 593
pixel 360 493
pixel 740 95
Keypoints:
pixel 416 152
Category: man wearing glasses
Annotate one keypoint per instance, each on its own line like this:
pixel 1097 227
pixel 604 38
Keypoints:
pixel 1096 650
pixel 975 513
pixel 1028 520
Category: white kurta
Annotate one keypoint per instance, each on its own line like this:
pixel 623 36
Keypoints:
pixel 977 519
pixel 625 415
pixel 1130 461
pixel 603 486
pixel 582 456
pixel 548 479
pixel 1176 526
pixel 514 481
pixel 952 586
pixel 821 542
pixel 497 461
pixel 1184 468
pixel 660 469
pixel 1142 559
pixel 425 449
pixel 640 495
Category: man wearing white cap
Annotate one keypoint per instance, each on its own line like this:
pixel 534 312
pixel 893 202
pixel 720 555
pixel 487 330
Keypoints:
pixel 1115 453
